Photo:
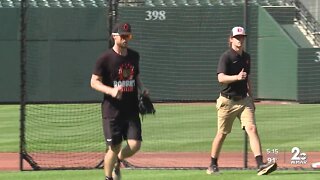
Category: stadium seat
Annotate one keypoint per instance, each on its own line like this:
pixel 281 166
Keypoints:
pixel 228 2
pixel 90 3
pixel 16 3
pixel 238 2
pixel 206 3
pixel 78 3
pixel 264 3
pixel 43 3
pixel 33 4
pixel 254 2
pixel 132 3
pixel 182 3
pixel 170 2
pixel 149 3
pixel 66 3
pixel 158 3
pixel 193 3
pixel 54 3
pixel 215 3
pixel 101 3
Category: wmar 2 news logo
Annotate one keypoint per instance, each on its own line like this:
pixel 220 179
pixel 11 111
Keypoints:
pixel 298 157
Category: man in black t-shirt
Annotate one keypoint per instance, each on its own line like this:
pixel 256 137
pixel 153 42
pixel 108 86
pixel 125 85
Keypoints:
pixel 235 101
pixel 116 75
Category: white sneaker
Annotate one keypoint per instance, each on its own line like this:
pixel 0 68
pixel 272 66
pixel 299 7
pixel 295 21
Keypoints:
pixel 315 165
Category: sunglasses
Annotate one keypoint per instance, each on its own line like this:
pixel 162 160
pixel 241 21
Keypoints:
pixel 123 36
pixel 126 36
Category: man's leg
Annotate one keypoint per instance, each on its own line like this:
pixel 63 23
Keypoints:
pixel 215 152
pixel 254 140
pixel 110 159
pixel 247 118
pixel 255 144
pixel 217 144
pixel 226 114
pixel 130 149
pixel 133 137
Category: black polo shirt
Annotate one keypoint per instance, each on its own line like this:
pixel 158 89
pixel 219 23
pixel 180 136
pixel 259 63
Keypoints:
pixel 231 63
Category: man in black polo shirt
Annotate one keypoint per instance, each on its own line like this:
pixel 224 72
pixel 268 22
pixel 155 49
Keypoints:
pixel 235 101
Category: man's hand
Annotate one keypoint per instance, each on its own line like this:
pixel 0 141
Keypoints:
pixel 145 92
pixel 116 92
pixel 242 75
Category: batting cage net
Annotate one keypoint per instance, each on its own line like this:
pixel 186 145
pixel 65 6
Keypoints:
pixel 180 42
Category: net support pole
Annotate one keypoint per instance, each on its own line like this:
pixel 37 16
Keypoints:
pixel 112 17
pixel 23 28
pixel 245 149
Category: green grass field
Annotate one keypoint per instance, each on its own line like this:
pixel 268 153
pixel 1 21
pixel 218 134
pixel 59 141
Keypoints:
pixel 9 128
pixel 159 175
pixel 191 128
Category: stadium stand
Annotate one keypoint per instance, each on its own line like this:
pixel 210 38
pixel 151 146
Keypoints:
pixel 7 4
pixel 307 23
pixel 151 3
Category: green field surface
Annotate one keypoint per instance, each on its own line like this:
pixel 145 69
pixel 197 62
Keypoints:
pixel 9 128
pixel 191 128
pixel 159 175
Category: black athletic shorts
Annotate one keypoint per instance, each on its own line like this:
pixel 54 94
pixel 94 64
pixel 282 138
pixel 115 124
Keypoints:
pixel 118 129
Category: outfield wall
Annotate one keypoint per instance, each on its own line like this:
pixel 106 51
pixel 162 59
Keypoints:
pixel 179 54
pixel 288 65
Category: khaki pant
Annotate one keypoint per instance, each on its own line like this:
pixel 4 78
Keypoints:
pixel 229 110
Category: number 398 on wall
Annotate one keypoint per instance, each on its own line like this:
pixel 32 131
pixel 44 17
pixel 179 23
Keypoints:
pixel 155 15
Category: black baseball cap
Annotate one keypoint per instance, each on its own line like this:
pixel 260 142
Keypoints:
pixel 121 29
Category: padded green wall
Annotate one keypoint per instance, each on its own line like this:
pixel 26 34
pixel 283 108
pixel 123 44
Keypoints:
pixel 9 55
pixel 178 56
pixel 309 75
pixel 64 43
pixel 277 60
pixel 288 67
pixel 62 46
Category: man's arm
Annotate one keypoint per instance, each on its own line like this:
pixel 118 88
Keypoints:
pixel 96 83
pixel 227 79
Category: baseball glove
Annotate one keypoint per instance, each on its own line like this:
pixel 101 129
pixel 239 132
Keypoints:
pixel 145 105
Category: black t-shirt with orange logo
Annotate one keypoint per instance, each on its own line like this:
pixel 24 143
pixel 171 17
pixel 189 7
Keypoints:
pixel 231 63
pixel 117 70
